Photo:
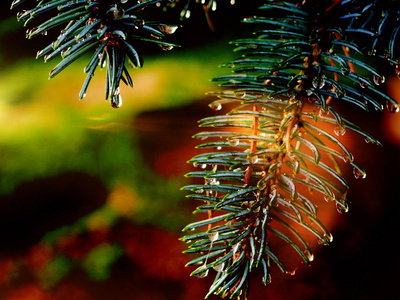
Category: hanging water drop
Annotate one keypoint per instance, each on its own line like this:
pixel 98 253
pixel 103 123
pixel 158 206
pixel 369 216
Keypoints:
pixel 201 272
pixel 219 267
pixel 359 174
pixel 392 107
pixel 233 142
pixel 240 95
pixel 165 47
pixel 318 83
pixel 235 249
pixel 379 79
pixel 363 84
pixel 341 208
pixel 215 105
pixel 168 29
pixel 116 99
pixel 339 130
pixel 213 236
pixel 252 159
pixel 199 191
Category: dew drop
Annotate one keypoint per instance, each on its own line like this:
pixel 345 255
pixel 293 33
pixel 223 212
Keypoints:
pixel 327 198
pixel 240 95
pixel 123 1
pixel 341 208
pixel 379 79
pixel 345 71
pixel 398 71
pixel 261 185
pixel 339 130
pixel 219 267
pixel 21 14
pixel 310 256
pixel 233 142
pixel 292 273
pixel 215 106
pixel 235 249
pixel 318 83
pixel 116 101
pixel 392 107
pixel 253 159
pixel 213 236
pixel 187 14
pixel 168 29
pixel 199 191
pixel 166 47
pixel 363 84
pixel 203 272
pixel 359 174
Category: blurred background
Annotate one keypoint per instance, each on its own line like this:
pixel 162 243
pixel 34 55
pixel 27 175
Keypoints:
pixel 90 200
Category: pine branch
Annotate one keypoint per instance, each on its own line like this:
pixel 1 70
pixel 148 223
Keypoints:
pixel 108 29
pixel 273 145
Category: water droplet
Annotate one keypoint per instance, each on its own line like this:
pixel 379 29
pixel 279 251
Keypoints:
pixel 118 12
pixel 199 191
pixel 233 142
pixel 215 105
pixel 310 256
pixel 261 185
pixel 219 267
pixel 359 174
pixel 292 273
pixel 392 107
pixel 253 159
pixel 235 250
pixel 213 236
pixel 398 71
pixel 379 79
pixel 123 1
pixel 187 14
pixel 21 14
pixel 363 84
pixel 327 198
pixel 165 47
pixel 342 207
pixel 345 71
pixel 268 279
pixel 202 272
pixel 232 2
pixel 240 95
pixel 168 29
pixel 116 101
pixel 319 83
pixel 339 130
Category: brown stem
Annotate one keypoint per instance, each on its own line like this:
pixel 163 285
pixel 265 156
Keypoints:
pixel 253 145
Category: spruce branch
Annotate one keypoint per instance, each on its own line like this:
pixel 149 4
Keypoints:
pixel 109 29
pixel 279 146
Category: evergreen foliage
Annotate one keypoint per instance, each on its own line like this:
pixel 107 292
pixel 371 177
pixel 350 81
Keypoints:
pixel 278 146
